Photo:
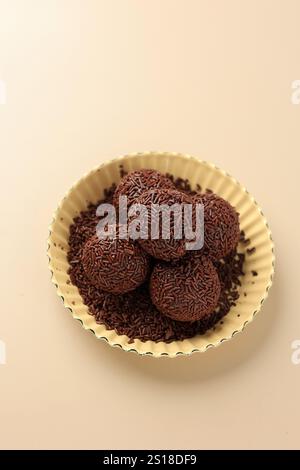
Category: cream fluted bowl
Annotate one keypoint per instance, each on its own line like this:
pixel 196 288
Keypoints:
pixel 90 188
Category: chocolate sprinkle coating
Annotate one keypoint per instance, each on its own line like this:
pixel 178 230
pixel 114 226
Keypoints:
pixel 135 183
pixel 188 290
pixel 221 226
pixel 133 314
pixel 163 249
pixel 114 265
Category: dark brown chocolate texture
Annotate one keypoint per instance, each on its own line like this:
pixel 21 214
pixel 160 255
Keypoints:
pixel 221 225
pixel 114 265
pixel 133 313
pixel 164 249
pixel 135 183
pixel 188 290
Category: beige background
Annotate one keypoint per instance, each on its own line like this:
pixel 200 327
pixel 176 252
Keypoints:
pixel 90 80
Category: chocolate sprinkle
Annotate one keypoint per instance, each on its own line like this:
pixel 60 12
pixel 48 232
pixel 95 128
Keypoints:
pixel 243 240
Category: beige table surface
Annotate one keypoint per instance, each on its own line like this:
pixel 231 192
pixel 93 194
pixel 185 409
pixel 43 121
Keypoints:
pixel 89 80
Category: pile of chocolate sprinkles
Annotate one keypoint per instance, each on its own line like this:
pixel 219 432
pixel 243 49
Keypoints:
pixel 133 313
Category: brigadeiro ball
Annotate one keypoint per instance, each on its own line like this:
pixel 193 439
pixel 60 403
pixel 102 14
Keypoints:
pixel 170 248
pixel 137 182
pixel 114 265
pixel 221 225
pixel 188 290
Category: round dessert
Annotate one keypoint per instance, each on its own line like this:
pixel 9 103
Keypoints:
pixel 161 230
pixel 188 290
pixel 137 182
pixel 221 225
pixel 114 265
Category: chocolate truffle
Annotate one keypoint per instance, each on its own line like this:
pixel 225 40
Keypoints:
pixel 170 247
pixel 114 265
pixel 137 182
pixel 221 225
pixel 187 290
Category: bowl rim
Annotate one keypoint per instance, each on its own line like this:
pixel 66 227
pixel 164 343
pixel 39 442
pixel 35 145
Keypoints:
pixel 212 166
